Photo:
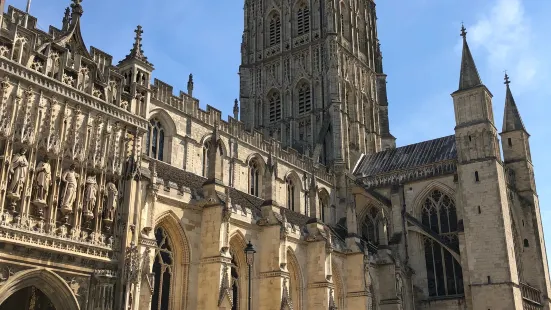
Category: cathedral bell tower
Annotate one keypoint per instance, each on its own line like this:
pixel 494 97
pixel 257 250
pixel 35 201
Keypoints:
pixel 490 270
pixel 311 76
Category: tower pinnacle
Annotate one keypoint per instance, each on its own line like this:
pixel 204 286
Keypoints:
pixel 469 77
pixel 136 52
pixel 511 116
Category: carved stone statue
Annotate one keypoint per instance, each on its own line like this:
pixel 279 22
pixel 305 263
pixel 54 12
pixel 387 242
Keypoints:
pixel 70 178
pixel 18 171
pixel 111 197
pixel 90 196
pixel 43 181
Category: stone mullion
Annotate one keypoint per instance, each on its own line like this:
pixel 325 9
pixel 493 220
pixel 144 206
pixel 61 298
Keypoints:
pixel 6 152
pixel 54 194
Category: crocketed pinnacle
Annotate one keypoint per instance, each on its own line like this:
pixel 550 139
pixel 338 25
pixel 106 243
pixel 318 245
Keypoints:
pixel 136 52
pixel 469 77
pixel 511 117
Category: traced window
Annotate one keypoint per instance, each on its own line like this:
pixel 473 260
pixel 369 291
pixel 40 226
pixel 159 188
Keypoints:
pixel 274 100
pixel 254 178
pixel 155 140
pixel 163 270
pixel 304 98
pixel 291 188
pixel 370 225
pixel 234 283
pixel 303 19
pixel 275 29
pixel 444 273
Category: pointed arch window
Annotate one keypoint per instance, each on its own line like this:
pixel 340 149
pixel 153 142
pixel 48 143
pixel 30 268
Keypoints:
pixel 155 139
pixel 234 284
pixel 163 270
pixel 444 273
pixel 206 147
pixel 275 106
pixel 303 19
pixel 370 225
pixel 254 178
pixel 275 29
pixel 291 191
pixel 304 98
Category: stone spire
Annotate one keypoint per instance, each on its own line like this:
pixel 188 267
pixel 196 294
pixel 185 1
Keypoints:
pixel 190 85
pixel 236 109
pixel 511 117
pixel 469 77
pixel 136 52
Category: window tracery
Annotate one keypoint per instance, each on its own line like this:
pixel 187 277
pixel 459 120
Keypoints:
pixel 303 19
pixel 163 270
pixel 275 106
pixel 254 178
pixel 370 225
pixel 444 273
pixel 275 29
pixel 155 139
pixel 206 148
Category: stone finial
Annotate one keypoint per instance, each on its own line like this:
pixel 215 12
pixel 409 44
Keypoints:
pixel 136 52
pixel 66 19
pixel 236 109
pixel 463 31
pixel 77 8
pixel 507 81
pixel 190 85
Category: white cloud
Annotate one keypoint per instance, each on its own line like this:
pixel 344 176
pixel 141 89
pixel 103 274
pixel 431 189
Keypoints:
pixel 506 36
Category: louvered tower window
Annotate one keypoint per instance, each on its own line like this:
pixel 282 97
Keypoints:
pixel 303 19
pixel 275 29
pixel 275 107
pixel 304 98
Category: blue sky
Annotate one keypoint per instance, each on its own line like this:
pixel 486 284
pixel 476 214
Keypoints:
pixel 420 42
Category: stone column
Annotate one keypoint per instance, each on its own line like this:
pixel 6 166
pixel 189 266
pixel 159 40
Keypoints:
pixel 319 265
pixel 357 281
pixel 270 262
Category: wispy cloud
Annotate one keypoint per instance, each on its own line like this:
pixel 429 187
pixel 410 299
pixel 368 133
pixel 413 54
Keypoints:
pixel 505 33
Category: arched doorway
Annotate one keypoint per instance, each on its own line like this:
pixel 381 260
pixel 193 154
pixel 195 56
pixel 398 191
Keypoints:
pixel 39 289
pixel 28 298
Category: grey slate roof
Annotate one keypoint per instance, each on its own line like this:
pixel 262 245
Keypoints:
pixel 407 157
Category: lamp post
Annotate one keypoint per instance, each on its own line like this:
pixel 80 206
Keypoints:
pixel 249 253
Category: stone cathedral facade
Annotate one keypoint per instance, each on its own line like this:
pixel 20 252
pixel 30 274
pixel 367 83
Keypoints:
pixel 117 193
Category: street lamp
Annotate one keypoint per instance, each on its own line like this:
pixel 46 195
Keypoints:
pixel 249 253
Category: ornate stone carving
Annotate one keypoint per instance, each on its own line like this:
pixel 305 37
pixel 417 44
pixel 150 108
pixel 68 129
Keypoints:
pixel 90 197
pixel 110 207
pixel 43 181
pixel 18 174
pixel 69 193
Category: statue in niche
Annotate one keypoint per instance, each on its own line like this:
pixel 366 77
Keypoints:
pixel 70 178
pixel 90 196
pixel 43 181
pixel 18 171
pixel 111 197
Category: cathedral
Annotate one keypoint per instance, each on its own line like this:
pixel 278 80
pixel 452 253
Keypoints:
pixel 118 193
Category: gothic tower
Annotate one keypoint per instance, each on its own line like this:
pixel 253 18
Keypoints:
pixel 490 273
pixel 311 76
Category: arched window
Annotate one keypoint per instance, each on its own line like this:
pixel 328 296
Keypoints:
pixel 234 283
pixel 254 178
pixel 303 18
pixel 291 188
pixel 324 206
pixel 370 225
pixel 275 29
pixel 444 273
pixel 162 269
pixel 274 100
pixel 304 98
pixel 154 141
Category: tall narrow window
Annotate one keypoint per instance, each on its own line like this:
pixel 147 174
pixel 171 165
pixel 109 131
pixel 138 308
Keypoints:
pixel 154 140
pixel 444 274
pixel 304 98
pixel 370 225
pixel 303 19
pixel 275 29
pixel 254 178
pixel 291 194
pixel 206 148
pixel 234 283
pixel 275 106
pixel 162 269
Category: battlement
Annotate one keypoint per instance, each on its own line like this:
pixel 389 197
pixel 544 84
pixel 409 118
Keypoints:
pixel 211 116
